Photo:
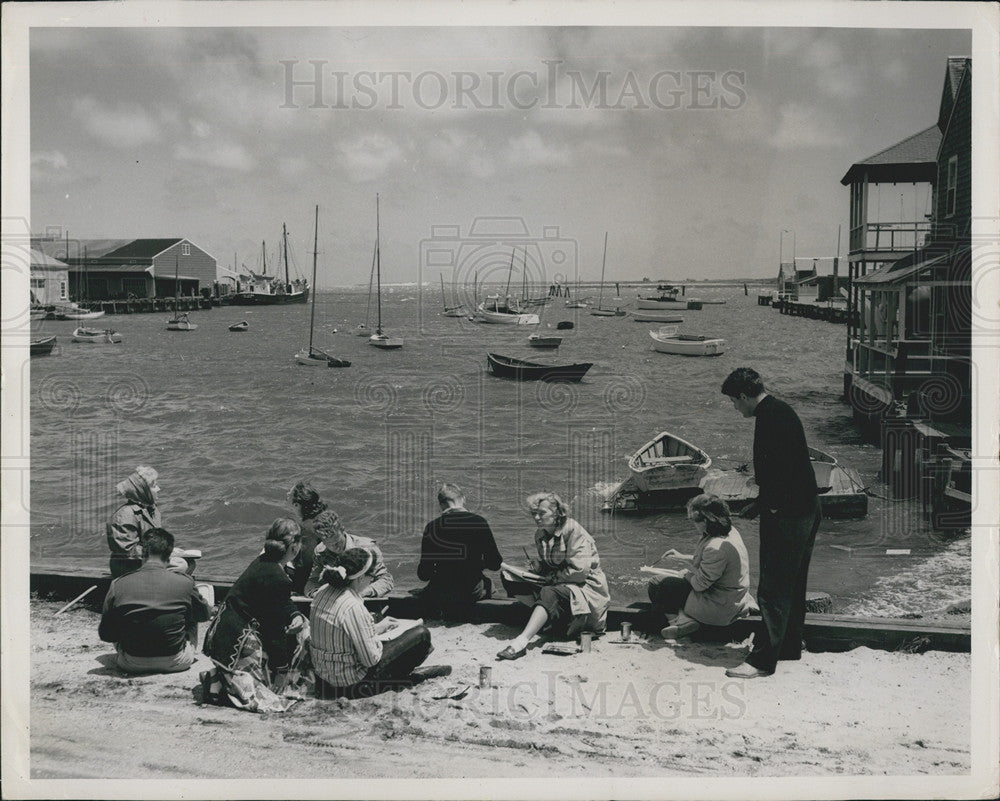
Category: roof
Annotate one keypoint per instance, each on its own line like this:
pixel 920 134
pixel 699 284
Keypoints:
pixel 42 261
pixel 56 247
pixel 912 159
pixel 142 248
pixel 901 270
pixel 955 73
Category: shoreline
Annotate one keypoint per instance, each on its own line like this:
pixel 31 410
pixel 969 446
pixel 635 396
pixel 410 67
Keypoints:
pixel 643 709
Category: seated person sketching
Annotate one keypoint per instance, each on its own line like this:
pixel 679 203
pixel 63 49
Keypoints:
pixel 572 594
pixel 334 540
pixel 348 656
pixel 152 614
pixel 715 589
pixel 455 549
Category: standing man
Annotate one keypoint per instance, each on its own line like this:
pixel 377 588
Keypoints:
pixel 455 549
pixel 789 517
pixel 152 614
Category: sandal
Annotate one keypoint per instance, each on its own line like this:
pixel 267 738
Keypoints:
pixel 509 653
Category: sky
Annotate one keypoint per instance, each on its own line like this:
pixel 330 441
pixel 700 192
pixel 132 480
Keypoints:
pixel 709 151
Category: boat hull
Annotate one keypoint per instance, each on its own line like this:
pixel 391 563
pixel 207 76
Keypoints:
pixel 93 336
pixel 505 318
pixel 43 346
pixel 266 299
pixel 660 303
pixel 607 313
pixel 656 317
pixel 544 342
pixel 520 370
pixel 79 315
pixel 668 462
pixel 181 325
pixel 319 359
pixel 240 327
pixel 679 346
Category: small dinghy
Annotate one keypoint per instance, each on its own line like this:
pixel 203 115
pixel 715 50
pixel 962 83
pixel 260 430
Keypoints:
pixel 667 462
pixel 244 326
pixel 42 346
pixel 180 322
pixel 508 367
pixel 539 341
pixel 668 340
pixel 95 336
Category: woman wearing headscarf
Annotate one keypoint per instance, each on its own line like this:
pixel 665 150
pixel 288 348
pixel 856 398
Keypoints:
pixel 349 658
pixel 133 519
pixel 307 503
pixel 249 637
pixel 572 595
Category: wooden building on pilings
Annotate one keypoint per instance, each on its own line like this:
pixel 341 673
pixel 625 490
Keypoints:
pixel 908 371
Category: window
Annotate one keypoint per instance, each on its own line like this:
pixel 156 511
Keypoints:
pixel 38 283
pixel 62 290
pixel 185 249
pixel 952 182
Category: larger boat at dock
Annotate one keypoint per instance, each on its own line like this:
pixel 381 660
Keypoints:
pixel 270 290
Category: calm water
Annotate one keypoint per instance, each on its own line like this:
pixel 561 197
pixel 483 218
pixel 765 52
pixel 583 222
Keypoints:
pixel 231 423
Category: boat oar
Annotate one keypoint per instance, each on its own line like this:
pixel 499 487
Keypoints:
pixel 78 598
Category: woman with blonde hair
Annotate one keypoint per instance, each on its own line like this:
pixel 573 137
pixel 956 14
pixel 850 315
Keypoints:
pixel 571 595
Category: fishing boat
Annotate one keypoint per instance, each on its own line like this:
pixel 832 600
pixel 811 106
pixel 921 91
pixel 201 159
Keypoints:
pixel 600 311
pixel 656 317
pixel 541 341
pixel 244 326
pixel 179 322
pixel 668 340
pixel 508 367
pixel 312 356
pixel 265 290
pixel 42 346
pixel 380 339
pixel 450 311
pixel 667 462
pixel 96 336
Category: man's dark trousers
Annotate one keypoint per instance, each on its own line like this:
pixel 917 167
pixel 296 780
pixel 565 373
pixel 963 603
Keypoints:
pixel 786 545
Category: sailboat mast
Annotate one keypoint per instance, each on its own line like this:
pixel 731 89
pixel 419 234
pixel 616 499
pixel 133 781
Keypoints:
pixel 604 261
pixel 312 313
pixel 378 267
pixel 86 277
pixel 371 280
pixel 524 276
pixel 444 302
pixel 284 239
pixel 509 271
pixel 177 285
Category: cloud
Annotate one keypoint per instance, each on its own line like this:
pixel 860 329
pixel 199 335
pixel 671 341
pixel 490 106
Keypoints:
pixel 49 160
pixel 801 126
pixel 530 149
pixel 369 156
pixel 227 155
pixel 124 126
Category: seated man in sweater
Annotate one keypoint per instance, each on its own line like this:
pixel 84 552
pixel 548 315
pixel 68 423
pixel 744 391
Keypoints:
pixel 152 614
pixel 456 547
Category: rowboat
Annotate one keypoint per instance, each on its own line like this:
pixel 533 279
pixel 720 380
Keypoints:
pixel 564 325
pixel 660 303
pixel 95 336
pixel 608 312
pixel 667 462
pixel 823 465
pixel 42 346
pixel 668 340
pixel 244 326
pixel 656 317
pixel 538 341
pixel 180 322
pixel 508 367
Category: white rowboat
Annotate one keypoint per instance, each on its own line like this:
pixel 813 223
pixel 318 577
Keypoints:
pixel 668 340
pixel 667 462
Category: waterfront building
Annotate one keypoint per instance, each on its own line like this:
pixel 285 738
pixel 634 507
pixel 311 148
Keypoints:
pixel 49 279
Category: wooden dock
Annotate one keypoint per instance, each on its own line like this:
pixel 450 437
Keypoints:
pixel 823 632
pixel 815 311
pixel 845 498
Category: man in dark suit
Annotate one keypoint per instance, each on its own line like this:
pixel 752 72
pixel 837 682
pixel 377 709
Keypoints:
pixel 789 511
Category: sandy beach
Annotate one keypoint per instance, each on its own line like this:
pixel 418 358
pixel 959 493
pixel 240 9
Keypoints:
pixel 639 710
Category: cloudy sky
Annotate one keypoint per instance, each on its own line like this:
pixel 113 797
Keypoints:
pixel 692 147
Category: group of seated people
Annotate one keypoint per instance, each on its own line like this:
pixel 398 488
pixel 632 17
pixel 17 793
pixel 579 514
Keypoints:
pixel 257 638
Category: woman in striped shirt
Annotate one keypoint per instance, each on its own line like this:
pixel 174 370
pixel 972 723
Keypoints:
pixel 348 657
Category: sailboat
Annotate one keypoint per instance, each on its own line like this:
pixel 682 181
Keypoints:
pixel 506 314
pixel 600 311
pixel 179 322
pixel 314 357
pixel 363 330
pixel 450 311
pixel 380 339
pixel 74 311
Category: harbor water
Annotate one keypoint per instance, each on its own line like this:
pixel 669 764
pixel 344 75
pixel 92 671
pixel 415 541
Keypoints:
pixel 231 422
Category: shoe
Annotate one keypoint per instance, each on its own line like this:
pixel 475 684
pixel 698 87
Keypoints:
pixel 430 672
pixel 747 671
pixel 511 654
pixel 678 630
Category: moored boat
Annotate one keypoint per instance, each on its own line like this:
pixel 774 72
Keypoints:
pixel 823 464
pixel 668 462
pixel 656 317
pixel 181 322
pixel 503 316
pixel 74 312
pixel 508 367
pixel 265 290
pixel 96 336
pixel 42 346
pixel 668 340
pixel 539 341
pixel 380 339
pixel 312 356
pixel 244 326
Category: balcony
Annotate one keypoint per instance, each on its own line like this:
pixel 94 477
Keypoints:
pixel 890 238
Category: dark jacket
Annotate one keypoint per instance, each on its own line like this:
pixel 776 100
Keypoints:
pixel 455 549
pixel 150 612
pixel 781 462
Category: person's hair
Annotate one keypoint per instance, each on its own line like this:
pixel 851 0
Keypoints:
pixel 743 381
pixel 157 543
pixel 307 499
pixel 450 493
pixel 343 565
pixel 330 530
pixel 714 511
pixel 284 533
pixel 559 506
